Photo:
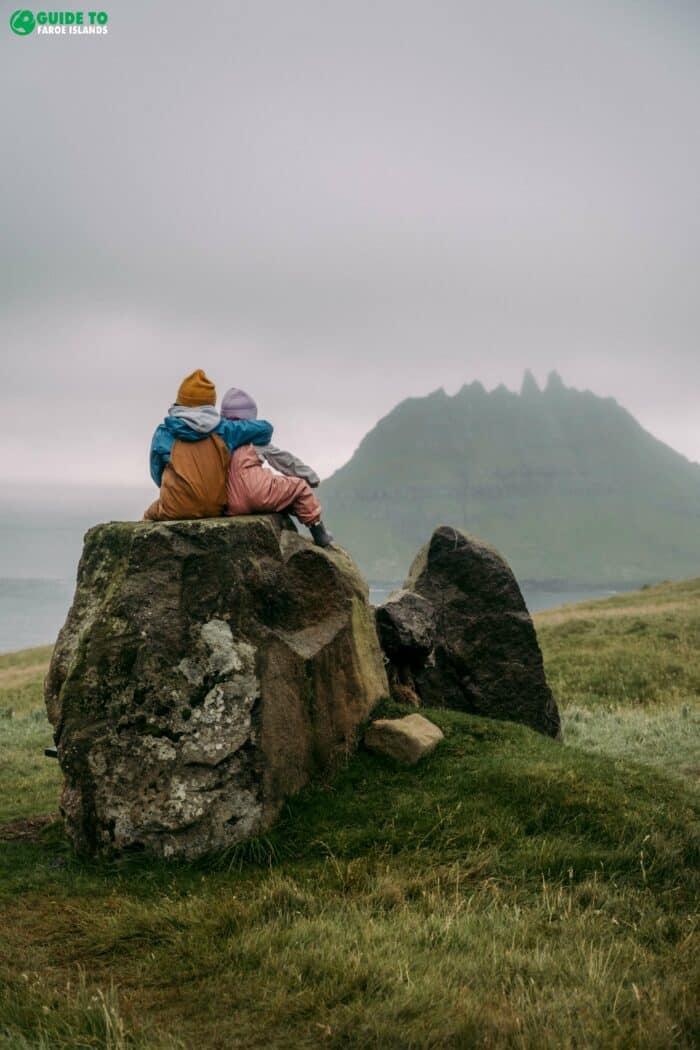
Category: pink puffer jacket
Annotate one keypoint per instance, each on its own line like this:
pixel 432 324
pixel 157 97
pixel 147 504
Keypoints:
pixel 251 489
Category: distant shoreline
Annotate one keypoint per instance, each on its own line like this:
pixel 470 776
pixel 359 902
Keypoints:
pixel 33 609
pixel 538 595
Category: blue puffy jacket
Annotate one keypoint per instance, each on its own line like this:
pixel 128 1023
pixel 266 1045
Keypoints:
pixel 234 432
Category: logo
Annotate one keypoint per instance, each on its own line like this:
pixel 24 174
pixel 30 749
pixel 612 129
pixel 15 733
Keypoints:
pixel 60 23
pixel 22 23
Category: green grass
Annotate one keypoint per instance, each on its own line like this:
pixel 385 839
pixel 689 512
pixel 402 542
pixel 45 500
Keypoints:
pixel 507 892
pixel 28 781
pixel 626 674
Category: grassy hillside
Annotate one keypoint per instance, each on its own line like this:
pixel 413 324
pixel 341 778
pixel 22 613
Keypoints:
pixel 626 671
pixel 567 485
pixel 509 892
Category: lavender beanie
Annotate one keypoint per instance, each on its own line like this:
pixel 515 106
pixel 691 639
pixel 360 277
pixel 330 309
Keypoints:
pixel 236 404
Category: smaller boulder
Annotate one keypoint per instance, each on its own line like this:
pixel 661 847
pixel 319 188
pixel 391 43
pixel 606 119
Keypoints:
pixel 405 739
pixel 406 626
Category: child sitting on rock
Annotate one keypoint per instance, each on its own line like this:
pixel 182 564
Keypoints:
pixel 252 489
pixel 191 451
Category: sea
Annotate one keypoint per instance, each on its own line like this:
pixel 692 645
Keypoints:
pixel 41 537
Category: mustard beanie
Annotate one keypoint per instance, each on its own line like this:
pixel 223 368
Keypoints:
pixel 196 390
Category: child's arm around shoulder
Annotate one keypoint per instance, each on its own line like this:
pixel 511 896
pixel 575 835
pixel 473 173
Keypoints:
pixel 237 432
pixel 161 447
pixel 289 464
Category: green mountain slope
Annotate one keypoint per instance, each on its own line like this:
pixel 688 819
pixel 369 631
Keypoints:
pixel 566 484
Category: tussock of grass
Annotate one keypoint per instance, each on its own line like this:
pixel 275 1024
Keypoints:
pixel 507 892
pixel 77 1017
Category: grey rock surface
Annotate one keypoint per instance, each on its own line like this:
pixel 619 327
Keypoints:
pixel 406 627
pixel 486 658
pixel 207 671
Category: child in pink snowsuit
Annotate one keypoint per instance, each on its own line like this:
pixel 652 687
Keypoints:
pixel 251 489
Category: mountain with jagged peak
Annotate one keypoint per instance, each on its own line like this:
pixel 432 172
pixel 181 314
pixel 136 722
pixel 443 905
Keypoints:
pixel 566 484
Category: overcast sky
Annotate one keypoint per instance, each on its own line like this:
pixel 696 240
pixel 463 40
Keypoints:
pixel 336 204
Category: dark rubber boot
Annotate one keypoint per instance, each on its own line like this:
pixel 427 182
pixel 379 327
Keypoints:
pixel 320 534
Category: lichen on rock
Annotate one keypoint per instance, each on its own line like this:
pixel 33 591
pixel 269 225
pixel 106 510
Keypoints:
pixel 207 670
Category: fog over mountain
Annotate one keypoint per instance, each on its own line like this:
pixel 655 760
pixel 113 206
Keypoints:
pixel 567 485
pixel 339 206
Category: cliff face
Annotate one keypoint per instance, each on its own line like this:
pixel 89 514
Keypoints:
pixel 207 671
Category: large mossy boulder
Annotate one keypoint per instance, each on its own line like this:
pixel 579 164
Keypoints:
pixel 207 671
pixel 485 657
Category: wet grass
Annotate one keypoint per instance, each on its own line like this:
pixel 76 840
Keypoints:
pixel 626 674
pixel 507 892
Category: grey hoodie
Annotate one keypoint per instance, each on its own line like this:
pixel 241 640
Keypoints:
pixel 287 463
pixel 203 418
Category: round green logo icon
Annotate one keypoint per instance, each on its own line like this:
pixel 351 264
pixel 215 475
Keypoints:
pixel 22 23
